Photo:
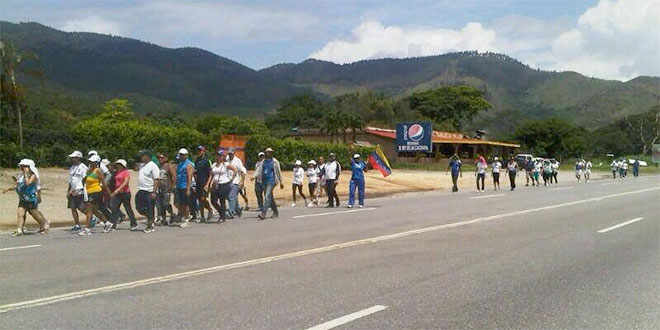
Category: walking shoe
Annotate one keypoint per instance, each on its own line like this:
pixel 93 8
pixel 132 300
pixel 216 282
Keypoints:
pixel 85 232
pixel 360 206
pixel 92 222
pixel 276 215
pixel 134 228
pixel 261 216
pixel 75 228
pixel 17 233
pixel 149 230
pixel 349 206
pixel 293 204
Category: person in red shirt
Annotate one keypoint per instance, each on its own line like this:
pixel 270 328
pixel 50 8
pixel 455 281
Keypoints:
pixel 121 195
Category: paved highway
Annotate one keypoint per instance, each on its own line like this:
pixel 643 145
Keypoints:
pixel 568 256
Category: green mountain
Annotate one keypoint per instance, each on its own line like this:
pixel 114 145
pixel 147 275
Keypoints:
pixel 86 69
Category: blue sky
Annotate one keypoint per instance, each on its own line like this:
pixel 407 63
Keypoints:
pixel 555 34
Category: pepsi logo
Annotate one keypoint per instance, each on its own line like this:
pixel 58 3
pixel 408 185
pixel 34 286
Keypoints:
pixel 416 132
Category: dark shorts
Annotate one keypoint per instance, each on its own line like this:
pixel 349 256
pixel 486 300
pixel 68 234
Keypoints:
pixel 75 202
pixel 200 191
pixel 180 197
pixel 95 199
pixel 28 205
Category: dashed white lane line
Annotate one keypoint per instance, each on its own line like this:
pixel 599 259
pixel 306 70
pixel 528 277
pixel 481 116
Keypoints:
pixel 348 318
pixel 18 247
pixel 332 213
pixel 563 188
pixel 487 196
pixel 602 231
pixel 291 255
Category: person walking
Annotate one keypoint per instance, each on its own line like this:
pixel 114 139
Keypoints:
pixel 547 172
pixel 202 174
pixel 332 173
pixel 120 194
pixel 297 182
pixel 624 166
pixel 512 169
pixel 320 190
pixel 587 171
pixel 358 167
pixel 496 167
pixel 26 186
pixel 455 166
pixel 271 175
pixel 148 180
pixel 258 184
pixel 555 171
pixel 579 168
pixel 184 177
pixel 237 183
pixel 219 184
pixel 480 172
pixel 312 182
pixel 163 194
pixel 615 168
pixel 636 168
pixel 94 195
pixel 76 189
pixel 536 172
pixel 529 172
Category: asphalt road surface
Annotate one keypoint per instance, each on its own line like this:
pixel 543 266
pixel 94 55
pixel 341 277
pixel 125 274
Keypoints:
pixel 570 256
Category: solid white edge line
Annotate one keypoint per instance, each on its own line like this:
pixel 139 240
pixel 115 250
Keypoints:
pixel 290 255
pixel 487 196
pixel 602 231
pixel 332 213
pixel 348 318
pixel 19 247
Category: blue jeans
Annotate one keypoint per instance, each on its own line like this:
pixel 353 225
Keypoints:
pixel 269 201
pixel 234 208
pixel 259 192
pixel 359 184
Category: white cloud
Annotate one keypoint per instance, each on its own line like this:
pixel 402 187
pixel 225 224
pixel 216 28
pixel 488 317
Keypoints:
pixel 615 39
pixel 373 40
pixel 91 24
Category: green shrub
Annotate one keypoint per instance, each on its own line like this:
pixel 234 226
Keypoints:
pixel 287 151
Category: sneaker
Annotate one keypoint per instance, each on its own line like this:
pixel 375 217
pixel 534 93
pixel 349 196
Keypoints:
pixel 76 228
pixel 134 228
pixel 184 224
pixel 17 233
pixel 85 232
pixel 293 204
pixel 276 215
pixel 92 222
pixel 349 206
pixel 149 230
pixel 360 206
pixel 261 217
pixel 110 229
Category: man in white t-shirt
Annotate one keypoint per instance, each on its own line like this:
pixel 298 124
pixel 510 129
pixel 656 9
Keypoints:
pixel 332 171
pixel 145 199
pixel 237 184
pixel 75 191
pixel 496 166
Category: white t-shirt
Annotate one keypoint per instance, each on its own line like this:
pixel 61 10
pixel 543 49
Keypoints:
pixel 331 169
pixel 220 173
pixel 238 164
pixel 496 167
pixel 76 175
pixel 512 167
pixel 589 166
pixel 298 175
pixel 146 175
pixel 481 168
pixel 624 164
pixel 313 175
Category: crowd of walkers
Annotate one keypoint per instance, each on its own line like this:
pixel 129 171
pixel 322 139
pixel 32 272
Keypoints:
pixel 205 189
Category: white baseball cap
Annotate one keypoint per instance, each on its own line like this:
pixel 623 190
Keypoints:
pixel 121 162
pixel 24 162
pixel 95 159
pixel 356 156
pixel 76 154
pixel 269 149
pixel 261 154
pixel 298 163
pixel 183 151
pixel 105 161
pixel 311 162
pixel 92 152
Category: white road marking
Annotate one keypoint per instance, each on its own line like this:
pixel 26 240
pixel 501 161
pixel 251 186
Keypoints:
pixel 487 196
pixel 290 255
pixel 19 247
pixel 348 318
pixel 332 213
pixel 602 231
pixel 562 188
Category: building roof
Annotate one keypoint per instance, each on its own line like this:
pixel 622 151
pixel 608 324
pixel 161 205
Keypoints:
pixel 440 137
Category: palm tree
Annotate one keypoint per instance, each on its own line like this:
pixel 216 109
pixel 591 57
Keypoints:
pixel 11 60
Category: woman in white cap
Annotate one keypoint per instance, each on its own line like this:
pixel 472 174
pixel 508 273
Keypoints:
pixel 298 178
pixel 76 189
pixel 184 174
pixel 121 195
pixel 219 184
pixel 312 181
pixel 94 193
pixel 358 167
pixel 26 187
pixel 258 180
pixel 496 167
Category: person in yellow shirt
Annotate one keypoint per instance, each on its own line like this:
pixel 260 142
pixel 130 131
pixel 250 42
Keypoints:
pixel 94 195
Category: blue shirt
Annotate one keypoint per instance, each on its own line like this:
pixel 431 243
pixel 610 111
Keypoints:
pixel 27 193
pixel 268 169
pixel 455 166
pixel 357 169
pixel 182 174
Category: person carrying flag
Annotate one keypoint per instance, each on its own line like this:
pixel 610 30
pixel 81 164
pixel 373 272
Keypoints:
pixel 358 167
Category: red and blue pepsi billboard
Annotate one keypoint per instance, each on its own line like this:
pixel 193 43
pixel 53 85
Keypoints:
pixel 414 136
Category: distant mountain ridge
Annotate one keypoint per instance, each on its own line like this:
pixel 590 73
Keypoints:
pixel 191 79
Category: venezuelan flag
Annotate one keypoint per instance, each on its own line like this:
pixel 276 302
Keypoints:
pixel 378 161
